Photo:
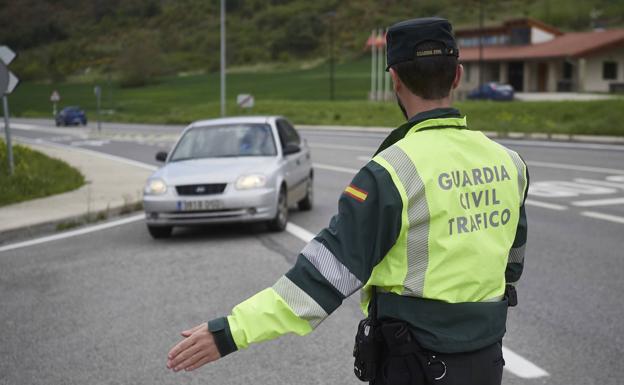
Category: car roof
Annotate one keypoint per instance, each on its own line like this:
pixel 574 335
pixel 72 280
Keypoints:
pixel 260 119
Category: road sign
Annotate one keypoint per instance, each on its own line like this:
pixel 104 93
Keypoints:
pixel 6 55
pixel 55 97
pixel 245 100
pixel 13 82
pixel 4 78
pixel 8 81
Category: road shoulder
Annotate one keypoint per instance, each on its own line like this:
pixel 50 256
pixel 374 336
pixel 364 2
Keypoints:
pixel 112 187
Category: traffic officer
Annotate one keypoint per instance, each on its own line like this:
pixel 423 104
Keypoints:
pixel 432 230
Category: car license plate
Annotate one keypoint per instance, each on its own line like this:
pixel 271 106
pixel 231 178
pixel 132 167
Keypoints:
pixel 200 205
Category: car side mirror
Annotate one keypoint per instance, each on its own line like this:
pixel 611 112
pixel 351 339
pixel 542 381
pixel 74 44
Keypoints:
pixel 291 148
pixel 161 156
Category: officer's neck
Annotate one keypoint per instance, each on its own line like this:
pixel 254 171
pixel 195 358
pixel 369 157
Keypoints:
pixel 414 104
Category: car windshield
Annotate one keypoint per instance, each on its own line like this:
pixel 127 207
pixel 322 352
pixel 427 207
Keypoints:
pixel 226 141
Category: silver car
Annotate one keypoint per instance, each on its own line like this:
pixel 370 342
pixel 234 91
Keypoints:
pixel 240 169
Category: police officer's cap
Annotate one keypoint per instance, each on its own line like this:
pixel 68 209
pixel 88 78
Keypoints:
pixel 403 39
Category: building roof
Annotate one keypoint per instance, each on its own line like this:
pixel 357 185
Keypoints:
pixel 575 44
pixel 506 27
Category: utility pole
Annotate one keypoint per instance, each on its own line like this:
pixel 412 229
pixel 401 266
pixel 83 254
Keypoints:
pixel 7 130
pixel 373 94
pixel 481 22
pixel 331 55
pixel 222 57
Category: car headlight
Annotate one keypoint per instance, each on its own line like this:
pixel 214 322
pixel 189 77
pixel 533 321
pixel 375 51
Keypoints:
pixel 246 182
pixel 155 186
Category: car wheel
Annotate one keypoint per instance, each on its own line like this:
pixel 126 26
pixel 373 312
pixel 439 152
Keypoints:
pixel 306 203
pixel 158 232
pixel 278 223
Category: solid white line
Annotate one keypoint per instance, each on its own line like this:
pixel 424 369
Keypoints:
pixel 515 363
pixel 606 217
pixel 575 167
pixel 599 202
pixel 342 147
pixel 552 206
pixel 600 183
pixel 90 152
pixel 73 233
pixel 574 145
pixel 299 232
pixel 335 168
pixel 520 366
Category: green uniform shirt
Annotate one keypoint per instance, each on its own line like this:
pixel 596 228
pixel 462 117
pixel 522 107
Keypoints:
pixel 392 231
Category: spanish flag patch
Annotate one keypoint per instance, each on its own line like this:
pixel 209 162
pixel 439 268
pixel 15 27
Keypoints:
pixel 356 193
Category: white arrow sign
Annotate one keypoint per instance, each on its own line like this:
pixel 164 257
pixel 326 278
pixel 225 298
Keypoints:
pixel 6 54
pixel 13 82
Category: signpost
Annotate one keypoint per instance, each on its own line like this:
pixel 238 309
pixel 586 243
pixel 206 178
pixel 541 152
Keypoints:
pixel 55 98
pixel 97 90
pixel 8 82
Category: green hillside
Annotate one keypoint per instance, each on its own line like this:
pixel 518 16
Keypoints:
pixel 135 40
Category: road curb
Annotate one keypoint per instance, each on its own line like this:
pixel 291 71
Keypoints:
pixel 68 223
pixel 108 194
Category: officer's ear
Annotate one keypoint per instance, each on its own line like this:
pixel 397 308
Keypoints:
pixel 396 81
pixel 459 74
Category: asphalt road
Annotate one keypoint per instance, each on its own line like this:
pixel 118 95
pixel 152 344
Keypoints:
pixel 105 307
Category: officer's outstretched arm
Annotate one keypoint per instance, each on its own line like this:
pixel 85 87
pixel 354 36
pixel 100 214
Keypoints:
pixel 335 264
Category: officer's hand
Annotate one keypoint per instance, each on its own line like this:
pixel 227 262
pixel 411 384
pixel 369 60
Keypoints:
pixel 197 349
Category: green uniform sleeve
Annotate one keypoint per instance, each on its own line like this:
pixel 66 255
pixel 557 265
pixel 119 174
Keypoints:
pixel 515 261
pixel 331 267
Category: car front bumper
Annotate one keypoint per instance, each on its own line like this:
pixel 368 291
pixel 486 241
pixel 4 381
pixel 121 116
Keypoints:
pixel 233 206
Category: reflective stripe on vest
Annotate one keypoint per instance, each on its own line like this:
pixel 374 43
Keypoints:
pixel 461 196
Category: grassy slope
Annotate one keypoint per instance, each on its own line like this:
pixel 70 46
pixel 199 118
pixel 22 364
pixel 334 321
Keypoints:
pixel 302 96
pixel 36 176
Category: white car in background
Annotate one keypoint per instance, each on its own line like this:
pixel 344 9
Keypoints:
pixel 239 169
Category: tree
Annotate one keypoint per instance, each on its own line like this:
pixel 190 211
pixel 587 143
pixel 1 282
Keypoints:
pixel 140 59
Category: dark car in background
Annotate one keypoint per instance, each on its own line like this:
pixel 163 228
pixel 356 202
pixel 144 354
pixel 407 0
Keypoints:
pixel 492 91
pixel 70 116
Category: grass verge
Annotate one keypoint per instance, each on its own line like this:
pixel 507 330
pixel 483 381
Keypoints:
pixel 302 95
pixel 36 176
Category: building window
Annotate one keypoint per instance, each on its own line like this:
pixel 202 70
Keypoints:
pixel 609 70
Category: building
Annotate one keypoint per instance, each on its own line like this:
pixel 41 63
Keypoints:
pixel 535 57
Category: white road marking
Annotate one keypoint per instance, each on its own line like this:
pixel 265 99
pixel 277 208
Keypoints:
pixel 533 163
pixel 514 363
pixel 520 366
pixel 335 168
pixel 73 233
pixel 606 217
pixel 599 202
pixel 561 189
pixel 90 143
pixel 331 146
pixel 601 182
pixel 90 152
pixel 575 167
pixel 545 205
pixel 299 232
